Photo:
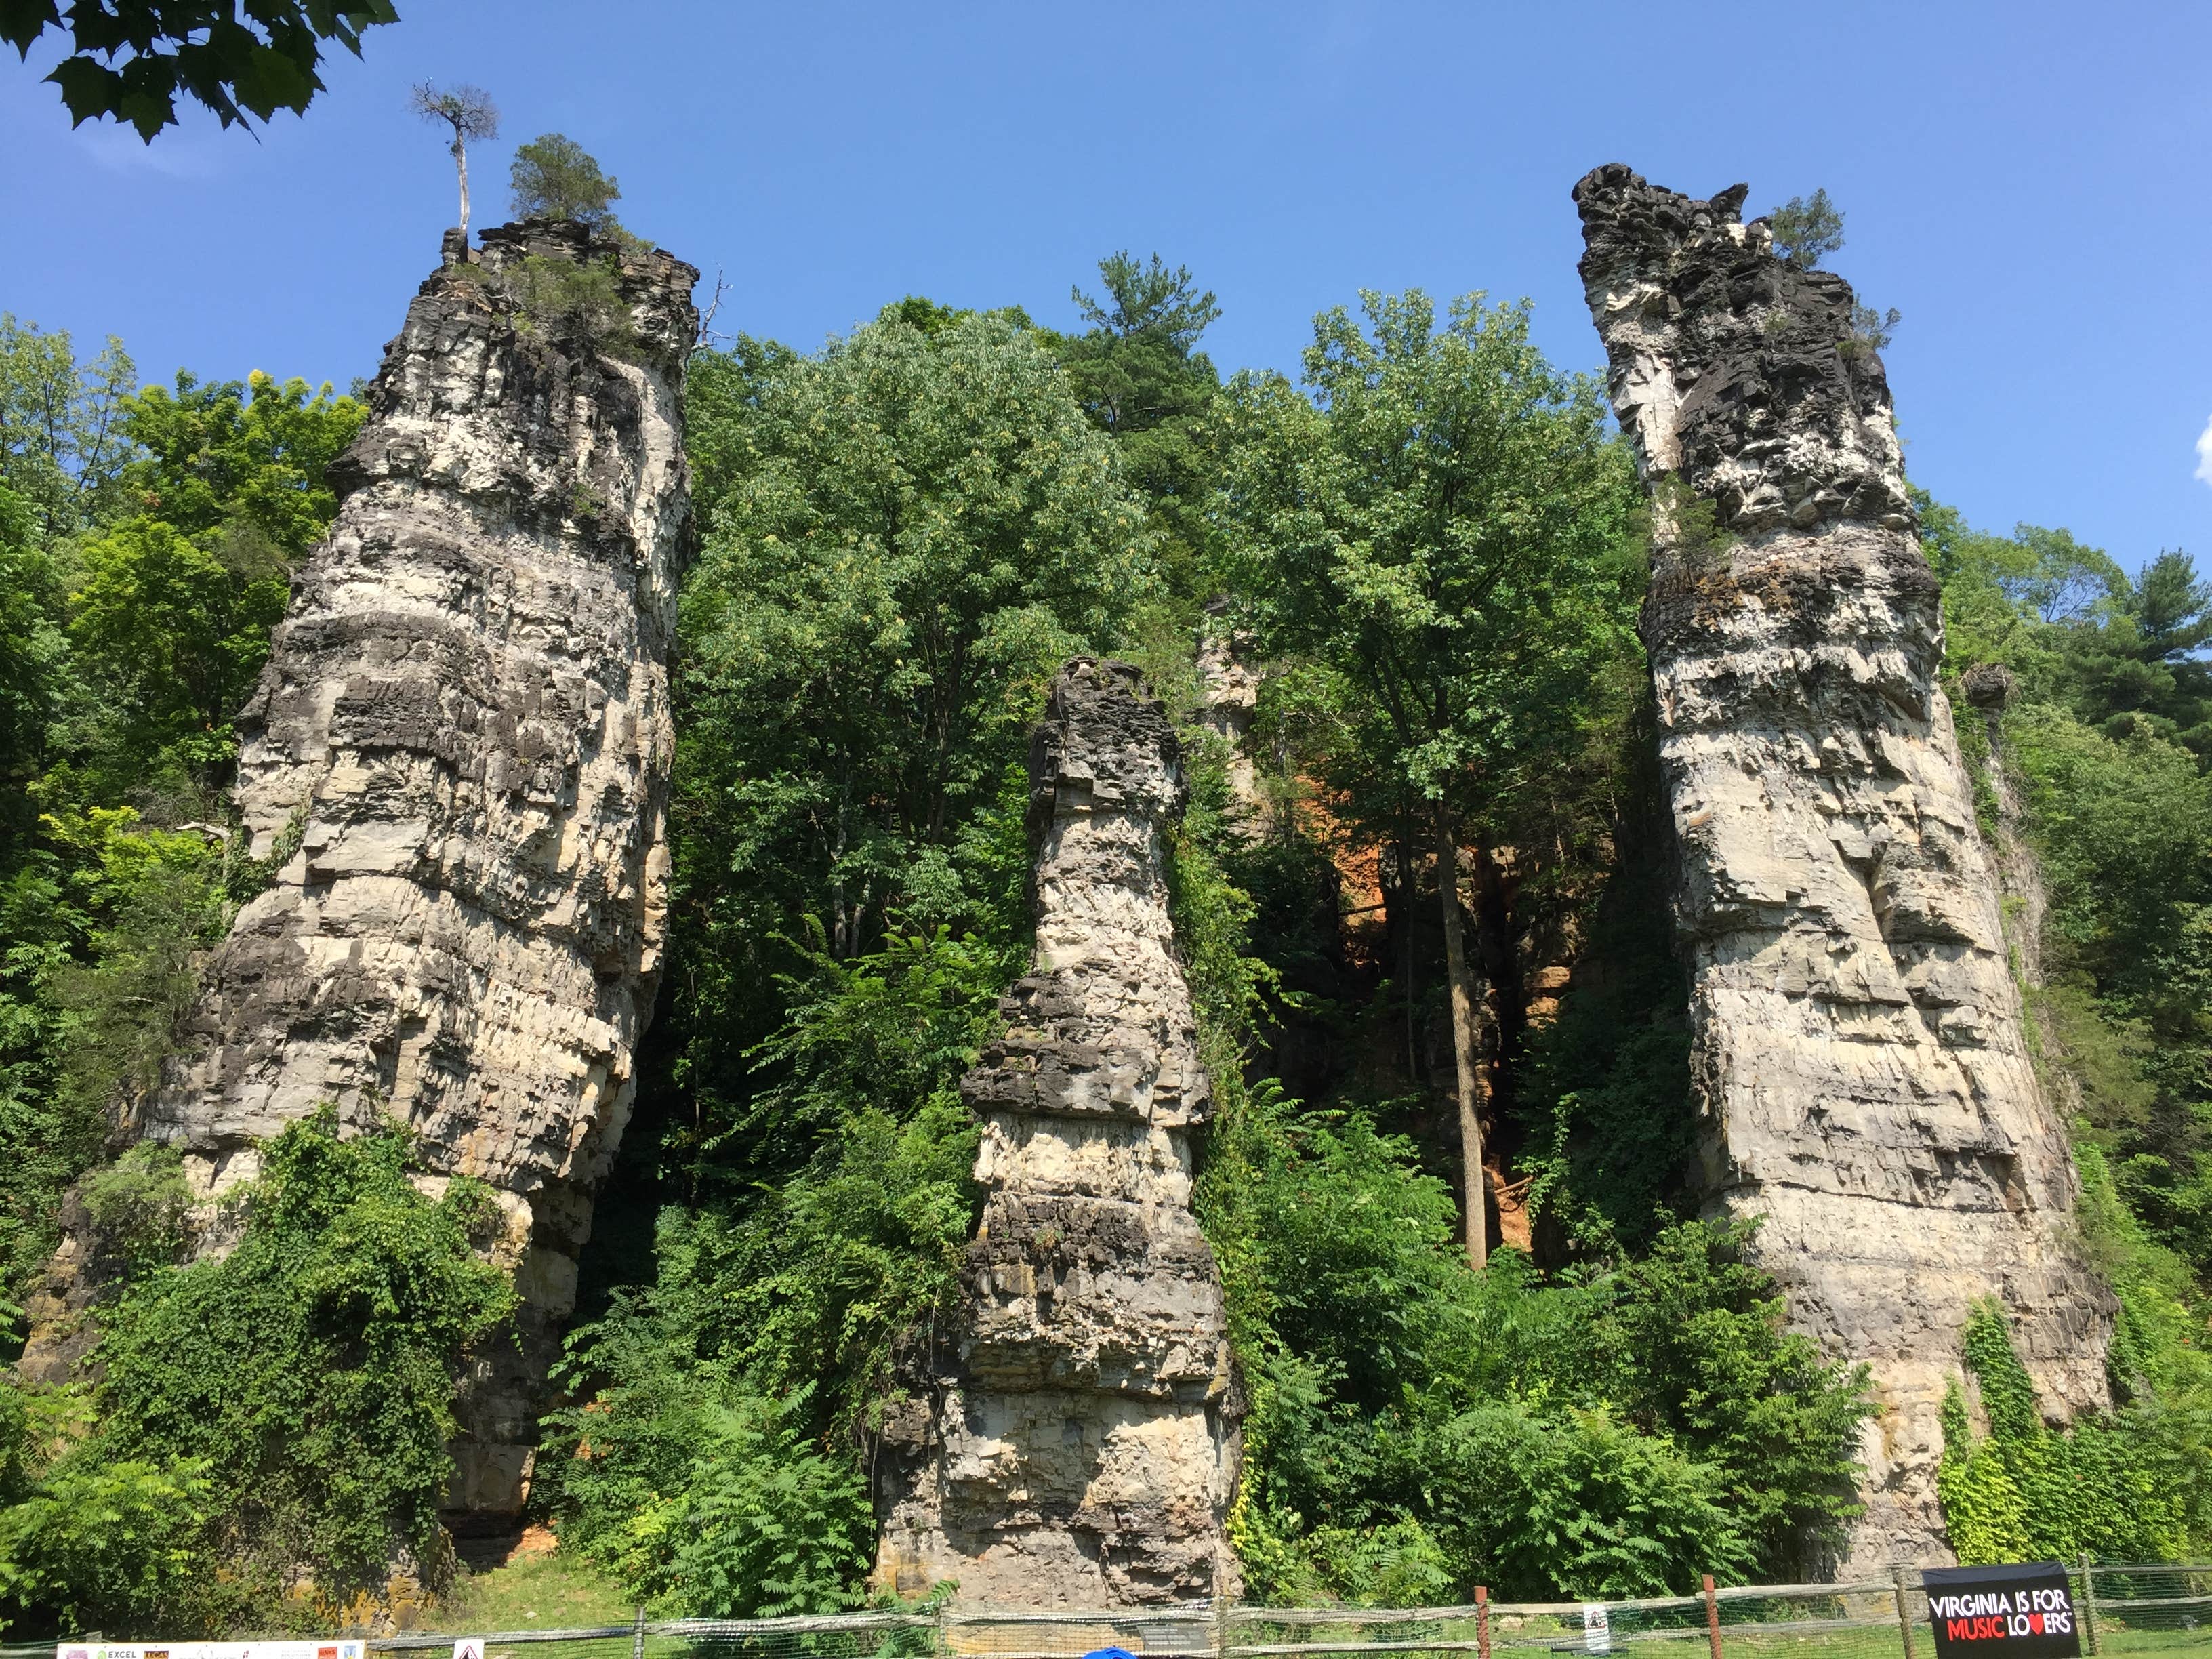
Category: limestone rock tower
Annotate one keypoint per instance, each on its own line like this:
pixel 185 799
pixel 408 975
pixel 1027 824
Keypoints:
pixel 1859 1059
pixel 1075 1444
pixel 458 758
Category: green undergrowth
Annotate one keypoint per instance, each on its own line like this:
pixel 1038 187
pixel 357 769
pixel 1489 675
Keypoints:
pixel 558 1589
pixel 284 1406
pixel 2104 742
pixel 2131 1484
pixel 715 1466
pixel 1417 1428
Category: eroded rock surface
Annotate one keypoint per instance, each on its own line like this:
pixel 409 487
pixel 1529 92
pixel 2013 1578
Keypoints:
pixel 460 753
pixel 1229 681
pixel 1859 1057
pixel 1078 1445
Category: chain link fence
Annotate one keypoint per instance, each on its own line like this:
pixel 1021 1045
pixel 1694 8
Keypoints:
pixel 2126 1612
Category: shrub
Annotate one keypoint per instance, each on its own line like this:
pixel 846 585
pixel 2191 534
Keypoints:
pixel 573 301
pixel 311 1371
pixel 87 1541
pixel 764 1524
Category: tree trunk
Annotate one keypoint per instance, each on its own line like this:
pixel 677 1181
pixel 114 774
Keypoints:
pixel 461 160
pixel 1466 1061
pixel 1406 952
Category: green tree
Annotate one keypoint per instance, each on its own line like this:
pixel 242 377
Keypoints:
pixel 1139 375
pixel 218 458
pixel 146 541
pixel 732 1398
pixel 2104 736
pixel 910 533
pixel 131 59
pixel 170 610
pixel 87 1542
pixel 1806 229
pixel 1614 1432
pixel 33 666
pixel 554 177
pixel 62 440
pixel 1444 531
pixel 179 634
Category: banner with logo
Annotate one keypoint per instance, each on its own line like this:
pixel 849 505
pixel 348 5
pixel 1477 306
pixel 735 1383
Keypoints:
pixel 2023 1611
pixel 353 1649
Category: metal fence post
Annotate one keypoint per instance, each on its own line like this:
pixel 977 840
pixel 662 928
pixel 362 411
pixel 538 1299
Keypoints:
pixel 637 1635
pixel 2088 1603
pixel 1482 1620
pixel 1901 1576
pixel 1220 1627
pixel 1712 1616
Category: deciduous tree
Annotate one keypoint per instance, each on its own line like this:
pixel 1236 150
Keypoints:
pixel 1443 527
pixel 131 59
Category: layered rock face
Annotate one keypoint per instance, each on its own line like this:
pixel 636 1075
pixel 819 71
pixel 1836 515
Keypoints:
pixel 1862 1078
pixel 1230 682
pixel 1078 1445
pixel 458 757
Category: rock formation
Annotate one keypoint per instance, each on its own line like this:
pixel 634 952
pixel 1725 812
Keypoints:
pixel 1229 691
pixel 1078 1445
pixel 457 760
pixel 1862 1078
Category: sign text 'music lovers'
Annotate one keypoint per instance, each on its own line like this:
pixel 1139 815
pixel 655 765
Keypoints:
pixel 2024 1612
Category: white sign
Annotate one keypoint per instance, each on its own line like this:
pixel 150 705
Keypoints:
pixel 469 1647
pixel 331 1650
pixel 1597 1628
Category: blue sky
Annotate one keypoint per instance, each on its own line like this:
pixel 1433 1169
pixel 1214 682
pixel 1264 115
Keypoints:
pixel 2027 182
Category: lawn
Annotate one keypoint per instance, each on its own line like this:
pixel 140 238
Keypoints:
pixel 555 1590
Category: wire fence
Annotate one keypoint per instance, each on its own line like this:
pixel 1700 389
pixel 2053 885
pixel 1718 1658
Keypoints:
pixel 2126 1612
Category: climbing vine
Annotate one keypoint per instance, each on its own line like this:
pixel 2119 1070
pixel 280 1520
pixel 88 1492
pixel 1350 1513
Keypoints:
pixel 2115 1486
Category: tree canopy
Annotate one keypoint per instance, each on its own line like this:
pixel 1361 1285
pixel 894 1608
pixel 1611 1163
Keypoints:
pixel 554 177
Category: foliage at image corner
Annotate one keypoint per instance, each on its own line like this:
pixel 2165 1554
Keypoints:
pixel 287 1405
pixel 130 60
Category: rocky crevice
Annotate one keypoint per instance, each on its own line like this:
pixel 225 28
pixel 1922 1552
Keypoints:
pixel 1859 1061
pixel 1075 1444
pixel 458 755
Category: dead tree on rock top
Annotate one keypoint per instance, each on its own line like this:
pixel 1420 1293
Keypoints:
pixel 470 111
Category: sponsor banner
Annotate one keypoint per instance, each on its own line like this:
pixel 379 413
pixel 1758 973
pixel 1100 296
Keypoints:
pixel 331 1650
pixel 2020 1612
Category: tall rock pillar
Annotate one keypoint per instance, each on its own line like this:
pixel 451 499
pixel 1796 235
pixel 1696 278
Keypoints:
pixel 1859 1059
pixel 457 757
pixel 1077 1448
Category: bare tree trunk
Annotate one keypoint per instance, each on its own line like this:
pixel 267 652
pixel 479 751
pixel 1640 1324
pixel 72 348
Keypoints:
pixel 461 160
pixel 1406 952
pixel 1468 1062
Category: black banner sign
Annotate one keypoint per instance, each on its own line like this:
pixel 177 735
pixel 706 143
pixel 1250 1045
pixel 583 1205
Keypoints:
pixel 2002 1613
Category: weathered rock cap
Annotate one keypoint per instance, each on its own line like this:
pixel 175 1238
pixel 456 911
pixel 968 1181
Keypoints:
pixel 654 282
pixel 1989 686
pixel 1107 742
pixel 1749 376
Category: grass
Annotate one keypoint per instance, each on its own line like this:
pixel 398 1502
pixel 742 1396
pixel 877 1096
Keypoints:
pixel 554 1591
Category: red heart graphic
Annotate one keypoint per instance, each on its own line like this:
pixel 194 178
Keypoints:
pixel 2035 1624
